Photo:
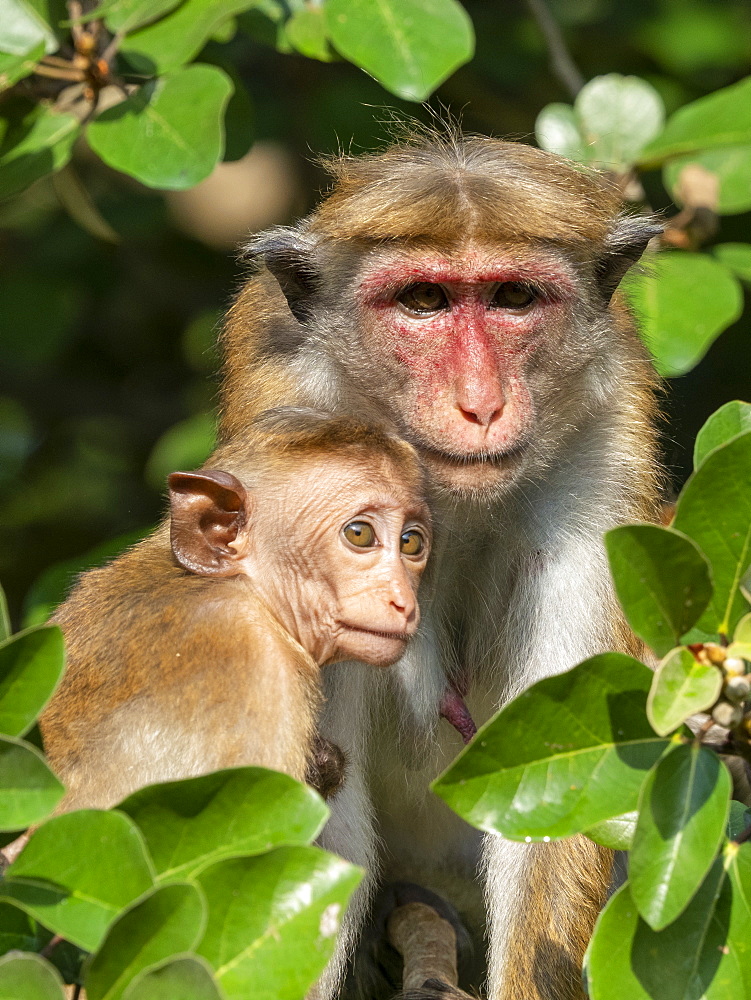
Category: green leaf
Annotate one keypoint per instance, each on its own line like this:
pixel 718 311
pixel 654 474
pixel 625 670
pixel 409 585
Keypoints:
pixel 23 28
pixel 571 751
pixel 731 165
pixel 616 833
pixel 703 955
pixel 720 119
pixel 557 130
pixel 17 931
pixel 168 134
pixel 178 38
pixel 683 304
pixel 617 116
pixel 77 872
pixel 29 791
pixel 661 579
pixel 185 445
pixel 273 920
pixel 190 824
pixel 168 920
pixel 738 820
pixel 127 15
pixel 29 977
pixel 683 810
pixel 14 67
pixel 736 257
pixel 5 626
pixel 31 665
pixel 306 31
pixel 714 509
pixel 724 424
pixel 734 977
pixel 409 46
pixel 681 688
pixel 176 979
pixel 39 145
pixel 265 23
pixel 741 644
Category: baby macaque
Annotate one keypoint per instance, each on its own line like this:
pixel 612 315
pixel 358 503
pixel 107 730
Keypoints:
pixel 200 648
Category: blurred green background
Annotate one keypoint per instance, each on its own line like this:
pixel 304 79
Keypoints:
pixel 108 372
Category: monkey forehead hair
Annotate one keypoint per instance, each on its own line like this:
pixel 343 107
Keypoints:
pixel 442 187
pixel 279 437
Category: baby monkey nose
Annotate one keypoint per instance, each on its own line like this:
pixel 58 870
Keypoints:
pixel 403 599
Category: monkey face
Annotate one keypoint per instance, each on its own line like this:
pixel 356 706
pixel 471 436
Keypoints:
pixel 340 552
pixel 463 338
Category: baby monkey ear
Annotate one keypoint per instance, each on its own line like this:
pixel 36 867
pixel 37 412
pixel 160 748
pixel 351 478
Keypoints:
pixel 208 519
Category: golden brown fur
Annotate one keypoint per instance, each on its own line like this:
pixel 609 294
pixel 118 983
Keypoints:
pixel 174 673
pixel 224 671
pixel 520 586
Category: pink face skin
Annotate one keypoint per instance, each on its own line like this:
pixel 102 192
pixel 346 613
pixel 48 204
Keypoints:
pixel 338 553
pixel 459 334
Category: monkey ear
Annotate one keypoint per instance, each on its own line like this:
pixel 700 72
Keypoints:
pixel 623 247
pixel 289 254
pixel 208 519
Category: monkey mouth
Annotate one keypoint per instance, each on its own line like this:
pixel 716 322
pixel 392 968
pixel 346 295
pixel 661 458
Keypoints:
pixel 474 459
pixel 400 636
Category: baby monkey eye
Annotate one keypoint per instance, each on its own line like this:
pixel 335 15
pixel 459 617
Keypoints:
pixel 423 298
pixel 411 543
pixel 513 295
pixel 359 533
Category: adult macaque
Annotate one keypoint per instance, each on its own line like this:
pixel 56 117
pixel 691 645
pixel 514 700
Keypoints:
pixel 200 647
pixel 461 288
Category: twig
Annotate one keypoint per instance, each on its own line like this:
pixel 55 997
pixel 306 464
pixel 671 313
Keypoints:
pixel 426 942
pixel 80 206
pixel 703 729
pixel 51 945
pixel 11 851
pixel 561 62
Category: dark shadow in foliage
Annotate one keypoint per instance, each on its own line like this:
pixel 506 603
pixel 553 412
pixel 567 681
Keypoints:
pixel 627 714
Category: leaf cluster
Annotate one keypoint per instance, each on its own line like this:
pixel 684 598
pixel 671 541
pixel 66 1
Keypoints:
pixel 123 75
pixel 684 300
pixel 605 749
pixel 206 888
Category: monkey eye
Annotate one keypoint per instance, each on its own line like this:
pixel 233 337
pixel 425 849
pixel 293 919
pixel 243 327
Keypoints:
pixel 360 534
pixel 513 295
pixel 411 543
pixel 423 298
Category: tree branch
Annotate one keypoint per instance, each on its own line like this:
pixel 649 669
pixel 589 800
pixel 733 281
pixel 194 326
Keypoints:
pixel 561 62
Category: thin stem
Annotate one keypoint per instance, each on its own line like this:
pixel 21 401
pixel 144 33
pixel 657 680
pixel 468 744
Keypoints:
pixel 56 61
pixel 561 62
pixel 704 729
pixel 74 75
pixel 51 945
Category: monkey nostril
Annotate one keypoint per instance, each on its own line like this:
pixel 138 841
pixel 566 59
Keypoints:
pixel 484 416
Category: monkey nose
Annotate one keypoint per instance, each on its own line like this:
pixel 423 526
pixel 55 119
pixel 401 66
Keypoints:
pixel 403 600
pixel 482 415
pixel 481 405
